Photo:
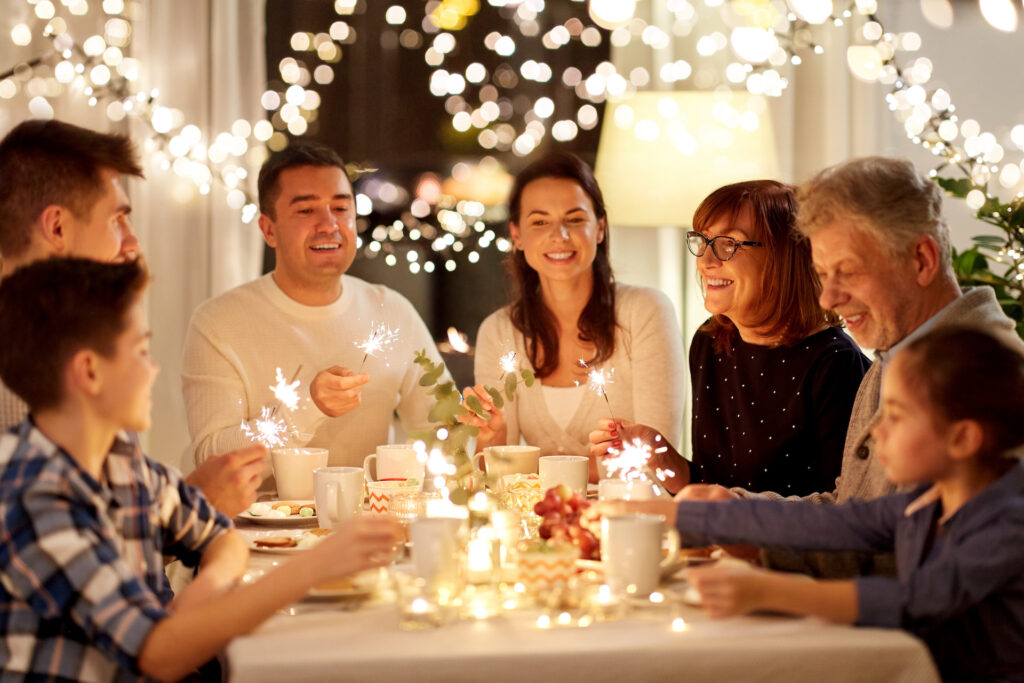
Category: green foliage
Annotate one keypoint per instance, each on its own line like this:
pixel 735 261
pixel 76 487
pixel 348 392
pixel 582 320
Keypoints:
pixel 444 415
pixel 995 261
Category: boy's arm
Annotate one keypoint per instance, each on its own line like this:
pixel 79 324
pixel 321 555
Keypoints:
pixel 195 633
pixel 222 566
pixel 728 589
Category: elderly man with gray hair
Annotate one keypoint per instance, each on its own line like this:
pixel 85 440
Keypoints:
pixel 881 249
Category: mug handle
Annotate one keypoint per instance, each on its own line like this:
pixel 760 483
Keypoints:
pixel 366 466
pixel 670 539
pixel 478 462
pixel 332 501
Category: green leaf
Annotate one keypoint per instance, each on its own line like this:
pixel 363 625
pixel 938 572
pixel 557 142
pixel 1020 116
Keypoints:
pixel 527 377
pixel 431 376
pixel 994 240
pixel 473 403
pixel 510 387
pixel 958 187
pixel 495 395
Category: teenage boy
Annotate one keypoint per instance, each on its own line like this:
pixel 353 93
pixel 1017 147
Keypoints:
pixel 82 591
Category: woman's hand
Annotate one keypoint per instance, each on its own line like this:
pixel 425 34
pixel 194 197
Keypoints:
pixel 493 431
pixel 610 436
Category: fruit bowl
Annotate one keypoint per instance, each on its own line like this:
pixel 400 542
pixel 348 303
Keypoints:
pixel 562 520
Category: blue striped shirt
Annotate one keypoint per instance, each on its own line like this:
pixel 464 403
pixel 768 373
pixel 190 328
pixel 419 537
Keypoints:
pixel 82 578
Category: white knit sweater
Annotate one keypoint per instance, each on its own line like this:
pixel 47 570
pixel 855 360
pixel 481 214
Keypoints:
pixel 236 341
pixel 649 380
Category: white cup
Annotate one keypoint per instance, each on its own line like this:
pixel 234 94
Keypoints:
pixel 293 470
pixel 393 461
pixel 434 548
pixel 620 489
pixel 571 470
pixel 502 460
pixel 631 550
pixel 339 494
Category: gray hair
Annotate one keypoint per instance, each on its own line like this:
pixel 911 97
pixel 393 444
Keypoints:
pixel 886 198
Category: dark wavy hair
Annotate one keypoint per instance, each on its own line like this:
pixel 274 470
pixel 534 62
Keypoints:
pixel 790 288
pixel 966 373
pixel 529 314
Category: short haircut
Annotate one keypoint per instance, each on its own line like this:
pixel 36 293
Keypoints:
pixel 51 309
pixel 44 163
pixel 968 374
pixel 295 155
pixel 789 287
pixel 883 197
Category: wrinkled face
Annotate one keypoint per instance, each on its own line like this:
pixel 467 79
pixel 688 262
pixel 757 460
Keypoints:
pixel 863 284
pixel 557 229
pixel 105 234
pixel 909 443
pixel 733 287
pixel 313 231
pixel 125 397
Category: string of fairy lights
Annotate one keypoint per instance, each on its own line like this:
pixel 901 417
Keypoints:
pixel 483 91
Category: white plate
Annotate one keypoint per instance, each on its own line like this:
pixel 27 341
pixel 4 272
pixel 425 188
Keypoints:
pixel 667 571
pixel 358 586
pixel 290 520
pixel 251 541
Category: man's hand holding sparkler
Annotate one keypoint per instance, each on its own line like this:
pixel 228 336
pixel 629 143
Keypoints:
pixel 493 431
pixel 335 391
pixel 608 439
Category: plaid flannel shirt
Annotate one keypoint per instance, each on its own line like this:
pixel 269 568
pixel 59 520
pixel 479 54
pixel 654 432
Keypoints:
pixel 82 577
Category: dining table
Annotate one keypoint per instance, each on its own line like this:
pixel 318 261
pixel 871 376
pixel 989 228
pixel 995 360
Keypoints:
pixel 363 639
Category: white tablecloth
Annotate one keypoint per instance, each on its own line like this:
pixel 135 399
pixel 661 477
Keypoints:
pixel 367 645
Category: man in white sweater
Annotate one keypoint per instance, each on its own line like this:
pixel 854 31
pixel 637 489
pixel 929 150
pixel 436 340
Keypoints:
pixel 306 317
pixel 61 195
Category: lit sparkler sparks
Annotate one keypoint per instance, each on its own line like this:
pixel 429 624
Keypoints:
pixel 599 380
pixel 633 463
pixel 509 362
pixel 287 392
pixel 266 429
pixel 381 339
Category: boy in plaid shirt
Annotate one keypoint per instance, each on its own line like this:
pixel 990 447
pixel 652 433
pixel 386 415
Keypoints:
pixel 82 591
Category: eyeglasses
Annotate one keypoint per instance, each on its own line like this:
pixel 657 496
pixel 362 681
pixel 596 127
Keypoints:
pixel 724 248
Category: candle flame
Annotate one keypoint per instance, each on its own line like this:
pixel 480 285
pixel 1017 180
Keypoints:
pixel 457 341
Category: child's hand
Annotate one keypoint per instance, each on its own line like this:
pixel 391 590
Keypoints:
pixel 358 544
pixel 729 588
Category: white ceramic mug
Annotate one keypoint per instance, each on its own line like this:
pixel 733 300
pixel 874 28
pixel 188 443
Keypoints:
pixel 571 470
pixel 434 548
pixel 631 551
pixel 393 461
pixel 293 470
pixel 621 489
pixel 502 460
pixel 339 494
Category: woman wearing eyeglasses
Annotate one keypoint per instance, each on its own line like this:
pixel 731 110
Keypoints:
pixel 566 307
pixel 773 375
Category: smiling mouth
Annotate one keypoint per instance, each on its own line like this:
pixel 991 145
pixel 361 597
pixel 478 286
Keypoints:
pixel 326 247
pixel 717 282
pixel 853 320
pixel 560 255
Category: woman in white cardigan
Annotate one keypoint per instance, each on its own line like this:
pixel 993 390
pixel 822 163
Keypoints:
pixel 566 307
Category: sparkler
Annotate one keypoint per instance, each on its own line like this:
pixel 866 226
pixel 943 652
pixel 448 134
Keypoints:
pixel 381 339
pixel 599 381
pixel 509 362
pixel 633 463
pixel 266 429
pixel 286 392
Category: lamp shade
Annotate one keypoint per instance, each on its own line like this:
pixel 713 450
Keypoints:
pixel 662 153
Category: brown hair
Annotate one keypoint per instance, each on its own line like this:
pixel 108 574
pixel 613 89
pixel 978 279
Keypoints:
pixel 886 198
pixel 51 309
pixel 529 314
pixel 293 156
pixel 968 374
pixel 789 306
pixel 45 163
